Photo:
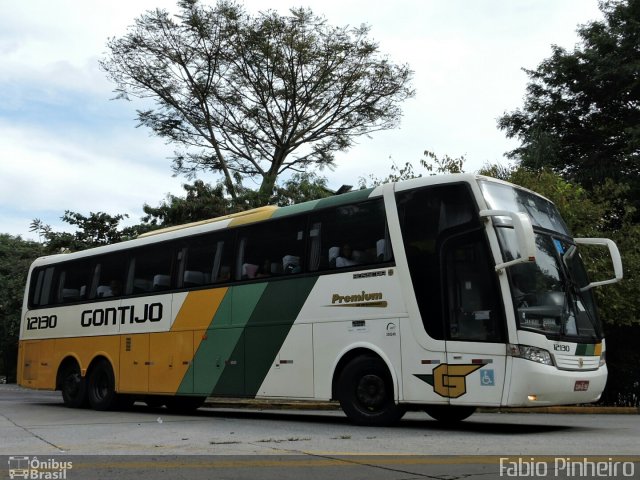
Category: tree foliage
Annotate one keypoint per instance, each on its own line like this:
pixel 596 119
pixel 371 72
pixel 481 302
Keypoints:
pixel 581 114
pixel 255 96
pixel 16 255
pixel 203 201
pixel 430 165
pixel 91 231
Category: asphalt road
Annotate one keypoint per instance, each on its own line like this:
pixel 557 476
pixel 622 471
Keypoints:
pixel 252 443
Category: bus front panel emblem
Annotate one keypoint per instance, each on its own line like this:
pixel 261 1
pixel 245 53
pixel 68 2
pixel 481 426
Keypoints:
pixel 449 381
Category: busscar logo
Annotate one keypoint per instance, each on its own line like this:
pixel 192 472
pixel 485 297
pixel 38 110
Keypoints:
pixel 449 381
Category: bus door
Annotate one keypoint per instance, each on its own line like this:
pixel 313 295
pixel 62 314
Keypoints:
pixel 475 329
pixel 456 291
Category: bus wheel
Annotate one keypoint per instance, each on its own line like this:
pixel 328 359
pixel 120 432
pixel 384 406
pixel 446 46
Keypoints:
pixel 365 392
pixel 179 404
pixel 102 392
pixel 449 414
pixel 73 386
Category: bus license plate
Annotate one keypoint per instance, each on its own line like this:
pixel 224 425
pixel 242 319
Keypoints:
pixel 581 386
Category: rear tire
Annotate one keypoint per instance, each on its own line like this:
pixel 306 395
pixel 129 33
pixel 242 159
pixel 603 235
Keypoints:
pixel 365 392
pixel 73 386
pixel 102 391
pixel 449 414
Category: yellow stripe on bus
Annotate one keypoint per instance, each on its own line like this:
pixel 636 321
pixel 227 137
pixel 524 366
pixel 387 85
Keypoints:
pixel 598 350
pixel 145 362
pixel 198 309
pixel 257 215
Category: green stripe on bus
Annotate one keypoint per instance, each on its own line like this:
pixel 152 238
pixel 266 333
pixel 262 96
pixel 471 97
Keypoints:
pixel 216 353
pixel 294 209
pixel 263 336
pixel 232 379
pixel 585 349
pixel 269 326
pixel 345 198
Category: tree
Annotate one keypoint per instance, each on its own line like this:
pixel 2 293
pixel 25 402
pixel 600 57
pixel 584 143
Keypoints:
pixel 16 256
pixel 301 187
pixel 204 201
pixel 431 165
pixel 581 115
pixel 255 96
pixel 97 229
pixel 201 202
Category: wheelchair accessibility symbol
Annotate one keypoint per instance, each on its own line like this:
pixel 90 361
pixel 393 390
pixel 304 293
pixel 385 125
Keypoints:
pixel 487 378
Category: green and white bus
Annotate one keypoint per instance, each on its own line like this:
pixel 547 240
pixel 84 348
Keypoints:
pixel 443 294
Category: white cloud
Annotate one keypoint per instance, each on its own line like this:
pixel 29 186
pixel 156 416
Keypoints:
pixel 43 170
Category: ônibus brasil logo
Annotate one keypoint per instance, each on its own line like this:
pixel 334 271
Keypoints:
pixel 33 468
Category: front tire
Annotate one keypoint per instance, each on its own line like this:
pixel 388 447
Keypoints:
pixel 102 391
pixel 449 414
pixel 365 392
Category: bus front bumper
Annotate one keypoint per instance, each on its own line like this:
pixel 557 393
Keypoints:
pixel 534 385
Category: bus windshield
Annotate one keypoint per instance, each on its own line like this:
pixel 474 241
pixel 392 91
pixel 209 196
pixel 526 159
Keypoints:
pixel 541 211
pixel 547 294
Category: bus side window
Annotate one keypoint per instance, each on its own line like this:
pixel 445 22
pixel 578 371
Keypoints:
pixel 109 276
pixel 348 236
pixel 271 249
pixel 150 269
pixel 73 281
pixel 206 260
pixel 41 287
pixel 475 313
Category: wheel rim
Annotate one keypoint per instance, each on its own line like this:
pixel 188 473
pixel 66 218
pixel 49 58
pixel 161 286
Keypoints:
pixel 371 392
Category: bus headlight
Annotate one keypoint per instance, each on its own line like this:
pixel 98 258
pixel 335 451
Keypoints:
pixel 535 354
pixel 603 359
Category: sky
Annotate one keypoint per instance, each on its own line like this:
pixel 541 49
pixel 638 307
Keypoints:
pixel 65 144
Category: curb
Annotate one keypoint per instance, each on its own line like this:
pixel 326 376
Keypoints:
pixel 568 409
pixel 259 404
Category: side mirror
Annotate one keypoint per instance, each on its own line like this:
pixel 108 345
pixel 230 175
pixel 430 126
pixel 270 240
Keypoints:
pixel 615 259
pixel 524 236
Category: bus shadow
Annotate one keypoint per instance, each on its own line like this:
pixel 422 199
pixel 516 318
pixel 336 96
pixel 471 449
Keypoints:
pixel 475 424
